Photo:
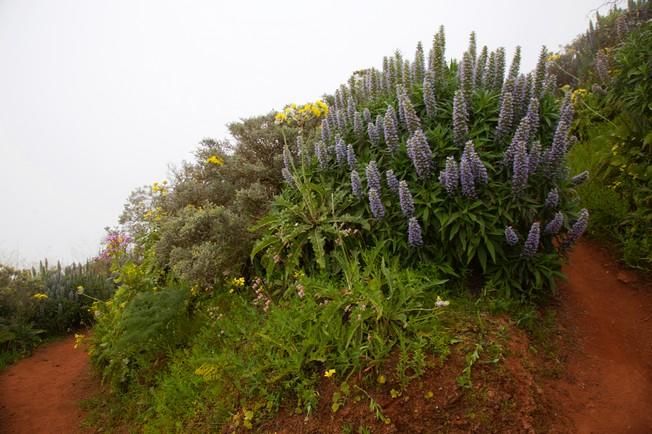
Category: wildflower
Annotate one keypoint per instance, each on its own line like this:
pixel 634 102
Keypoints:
pixel 325 131
pixel 287 176
pixel 477 166
pixel 460 119
pixel 329 373
pixel 215 160
pixel 481 67
pixel 577 229
pixel 419 62
pixel 429 94
pixel 238 282
pixel 287 157
pixel 580 178
pixel 511 237
pixel 466 76
pixel 539 73
pixel 356 184
pixel 519 168
pixel 412 121
pixel 391 129
pixel 533 117
pixel 377 208
pixel 380 127
pixel 450 177
pixel 420 153
pixel 322 156
pixel 466 178
pixel 534 158
pixel 554 226
pixel 350 156
pixel 392 181
pixel 552 199
pixel 531 244
pixel 357 124
pixel 521 135
pixel 372 132
pixel 366 115
pixel 373 175
pixel 414 233
pixel 350 110
pixel 442 303
pixel 340 151
pixel 405 198
pixel 506 116
pixel 499 76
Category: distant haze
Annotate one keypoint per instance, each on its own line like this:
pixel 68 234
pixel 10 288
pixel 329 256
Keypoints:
pixel 99 97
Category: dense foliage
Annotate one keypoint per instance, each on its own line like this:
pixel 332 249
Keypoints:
pixel 613 126
pixel 35 304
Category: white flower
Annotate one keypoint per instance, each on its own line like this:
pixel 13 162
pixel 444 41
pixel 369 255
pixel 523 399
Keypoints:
pixel 441 303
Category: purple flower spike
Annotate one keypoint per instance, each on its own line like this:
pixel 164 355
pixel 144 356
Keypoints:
pixel 467 178
pixel 580 178
pixel 373 176
pixel 554 226
pixel 450 177
pixel 511 237
pixel 392 181
pixel 405 197
pixel 350 157
pixel 576 230
pixel 377 208
pixel 552 200
pixel 420 153
pixel 356 184
pixel 414 233
pixel 531 244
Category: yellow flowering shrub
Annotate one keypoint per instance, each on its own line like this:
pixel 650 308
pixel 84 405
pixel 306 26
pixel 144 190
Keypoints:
pixel 293 114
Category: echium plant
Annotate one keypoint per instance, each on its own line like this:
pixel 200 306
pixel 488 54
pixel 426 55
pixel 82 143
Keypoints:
pixel 390 127
pixel 373 176
pixel 504 202
pixel 460 119
pixel 429 94
pixel 420 153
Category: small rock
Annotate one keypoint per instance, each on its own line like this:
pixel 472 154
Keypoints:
pixel 626 277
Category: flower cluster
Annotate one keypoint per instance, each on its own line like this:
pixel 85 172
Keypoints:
pixel 392 181
pixel 531 244
pixel 420 154
pixel 460 119
pixel 576 230
pixel 356 184
pixel 405 198
pixel 511 237
pixel 373 176
pixel 414 233
pixel 377 208
pixel 293 114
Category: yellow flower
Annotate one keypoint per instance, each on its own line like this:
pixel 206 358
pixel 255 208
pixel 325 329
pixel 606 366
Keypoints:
pixel 329 373
pixel 215 160
pixel 79 339
pixel 40 296
pixel 238 282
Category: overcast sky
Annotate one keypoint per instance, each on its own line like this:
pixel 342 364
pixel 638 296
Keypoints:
pixel 98 97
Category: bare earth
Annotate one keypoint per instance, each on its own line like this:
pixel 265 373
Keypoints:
pixel 42 393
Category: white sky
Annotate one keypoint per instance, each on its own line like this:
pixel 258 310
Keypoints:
pixel 98 97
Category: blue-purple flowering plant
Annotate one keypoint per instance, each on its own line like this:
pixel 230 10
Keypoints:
pixel 496 139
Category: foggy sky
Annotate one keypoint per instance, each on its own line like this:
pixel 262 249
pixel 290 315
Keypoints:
pixel 99 97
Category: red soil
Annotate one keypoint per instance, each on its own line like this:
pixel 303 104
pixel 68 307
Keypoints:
pixel 42 393
pixel 607 313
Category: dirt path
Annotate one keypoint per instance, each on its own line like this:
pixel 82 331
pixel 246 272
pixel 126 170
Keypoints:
pixel 42 394
pixel 607 312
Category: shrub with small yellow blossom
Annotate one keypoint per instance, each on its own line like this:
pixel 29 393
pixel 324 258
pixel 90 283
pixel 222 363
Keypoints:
pixel 301 116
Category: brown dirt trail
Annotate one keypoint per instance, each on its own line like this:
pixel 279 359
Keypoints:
pixel 42 393
pixel 607 313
